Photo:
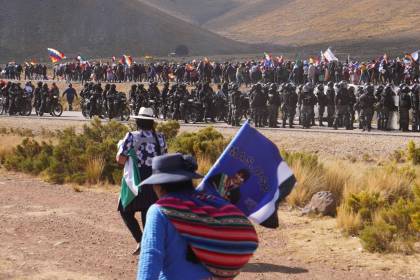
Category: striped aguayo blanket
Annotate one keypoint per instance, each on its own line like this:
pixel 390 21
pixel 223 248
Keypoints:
pixel 220 235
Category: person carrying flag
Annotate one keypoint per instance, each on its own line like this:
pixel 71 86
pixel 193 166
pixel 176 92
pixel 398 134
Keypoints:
pixel 189 234
pixel 141 147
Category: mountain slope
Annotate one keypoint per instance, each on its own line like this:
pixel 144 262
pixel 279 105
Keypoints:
pixel 194 11
pixel 98 28
pixel 359 24
pixel 297 22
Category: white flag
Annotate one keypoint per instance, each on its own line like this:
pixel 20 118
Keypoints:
pixel 329 55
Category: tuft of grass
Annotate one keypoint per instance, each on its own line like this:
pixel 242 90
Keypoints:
pixel 309 182
pixel 204 164
pixel 94 169
pixel 348 221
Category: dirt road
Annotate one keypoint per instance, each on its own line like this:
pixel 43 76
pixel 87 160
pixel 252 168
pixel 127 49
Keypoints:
pixel 54 232
pixel 327 143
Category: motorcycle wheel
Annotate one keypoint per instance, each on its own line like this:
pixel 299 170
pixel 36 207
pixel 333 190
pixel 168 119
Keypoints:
pixel 57 110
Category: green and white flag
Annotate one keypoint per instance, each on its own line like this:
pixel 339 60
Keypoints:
pixel 130 182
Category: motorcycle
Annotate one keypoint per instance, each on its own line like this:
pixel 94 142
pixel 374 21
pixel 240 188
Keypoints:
pixel 52 106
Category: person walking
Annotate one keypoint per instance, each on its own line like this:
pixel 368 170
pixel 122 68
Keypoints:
pixel 70 93
pixel 147 144
pixel 189 234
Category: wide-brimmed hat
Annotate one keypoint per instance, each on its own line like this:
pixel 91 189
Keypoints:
pixel 145 114
pixel 172 168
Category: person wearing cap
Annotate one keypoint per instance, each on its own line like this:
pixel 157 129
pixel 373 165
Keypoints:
pixel 147 144
pixel 191 234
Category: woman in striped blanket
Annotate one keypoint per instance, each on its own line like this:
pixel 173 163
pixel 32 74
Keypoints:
pixel 188 234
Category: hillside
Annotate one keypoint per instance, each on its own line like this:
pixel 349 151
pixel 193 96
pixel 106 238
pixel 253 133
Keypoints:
pixel 354 26
pixel 100 28
pixel 195 11
pixel 296 22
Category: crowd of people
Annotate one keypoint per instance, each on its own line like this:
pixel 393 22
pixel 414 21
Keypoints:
pixel 263 91
pixel 30 71
pixel 272 70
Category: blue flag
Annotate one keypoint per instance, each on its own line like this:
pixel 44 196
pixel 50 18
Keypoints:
pixel 251 174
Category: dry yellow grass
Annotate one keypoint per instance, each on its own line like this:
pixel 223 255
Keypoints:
pixel 94 169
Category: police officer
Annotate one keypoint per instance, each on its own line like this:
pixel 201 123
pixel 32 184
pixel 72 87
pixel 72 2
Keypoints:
pixel 415 105
pixel 366 104
pixel 330 104
pixel 235 101
pixel 342 113
pixel 352 105
pixel 289 101
pixel 322 103
pixel 308 101
pixel 258 105
pixel 274 103
pixel 404 107
pixel 387 106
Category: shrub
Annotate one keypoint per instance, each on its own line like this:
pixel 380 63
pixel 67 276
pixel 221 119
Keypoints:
pixel 383 225
pixel 376 238
pixel 413 153
pixel 78 158
pixel 305 159
pixel 170 129
pixel 207 142
pixel 29 156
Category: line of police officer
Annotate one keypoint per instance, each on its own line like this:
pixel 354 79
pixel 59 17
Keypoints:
pixel 262 103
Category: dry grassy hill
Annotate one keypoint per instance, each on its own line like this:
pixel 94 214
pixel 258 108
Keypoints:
pixel 317 21
pixel 354 26
pixel 100 28
pixel 195 11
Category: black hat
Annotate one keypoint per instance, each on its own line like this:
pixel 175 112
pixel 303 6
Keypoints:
pixel 172 168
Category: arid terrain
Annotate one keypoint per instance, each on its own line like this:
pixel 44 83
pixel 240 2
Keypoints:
pixel 55 232
pixel 355 27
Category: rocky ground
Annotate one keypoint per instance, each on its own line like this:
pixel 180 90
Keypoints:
pixel 64 232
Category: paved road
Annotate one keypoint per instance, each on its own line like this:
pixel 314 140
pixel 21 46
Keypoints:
pixel 77 116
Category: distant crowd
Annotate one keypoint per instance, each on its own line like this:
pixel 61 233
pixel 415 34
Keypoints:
pixel 377 71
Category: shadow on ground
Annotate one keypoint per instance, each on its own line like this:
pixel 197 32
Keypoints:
pixel 266 267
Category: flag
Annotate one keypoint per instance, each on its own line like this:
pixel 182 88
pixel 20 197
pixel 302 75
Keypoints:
pixel 81 59
pixel 55 55
pixel 413 56
pixel 130 182
pixel 252 175
pixel 268 62
pixel 329 55
pixel 128 60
